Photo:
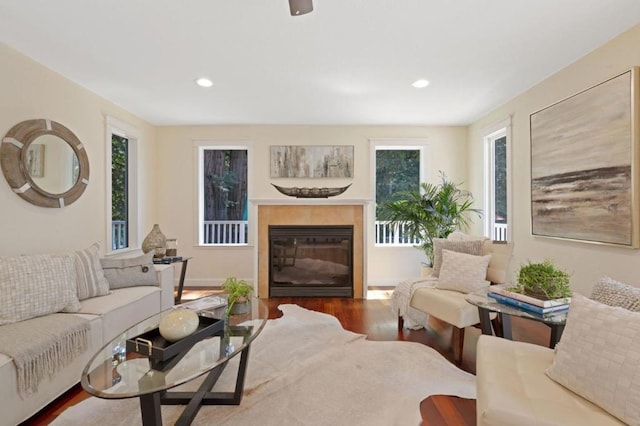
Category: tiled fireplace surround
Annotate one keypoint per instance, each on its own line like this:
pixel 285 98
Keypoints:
pixel 310 214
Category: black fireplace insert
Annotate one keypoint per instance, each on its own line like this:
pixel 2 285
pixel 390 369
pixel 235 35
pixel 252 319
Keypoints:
pixel 311 261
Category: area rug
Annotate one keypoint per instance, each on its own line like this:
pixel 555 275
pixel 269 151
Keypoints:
pixel 305 369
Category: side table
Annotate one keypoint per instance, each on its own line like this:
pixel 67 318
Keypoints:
pixel 183 271
pixel 486 305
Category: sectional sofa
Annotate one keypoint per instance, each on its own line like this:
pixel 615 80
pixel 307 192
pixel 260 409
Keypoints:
pixel 108 310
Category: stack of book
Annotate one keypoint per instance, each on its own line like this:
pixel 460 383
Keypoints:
pixel 502 294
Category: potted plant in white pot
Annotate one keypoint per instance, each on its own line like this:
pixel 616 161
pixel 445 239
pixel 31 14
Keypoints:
pixel 433 211
pixel 238 295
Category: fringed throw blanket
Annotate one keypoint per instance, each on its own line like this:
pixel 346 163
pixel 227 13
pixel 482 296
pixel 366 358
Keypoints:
pixel 41 346
pixel 401 299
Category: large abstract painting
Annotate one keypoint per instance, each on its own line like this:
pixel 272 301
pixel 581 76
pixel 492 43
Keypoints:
pixel 583 165
pixel 301 161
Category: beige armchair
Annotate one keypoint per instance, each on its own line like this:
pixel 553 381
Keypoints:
pixel 451 307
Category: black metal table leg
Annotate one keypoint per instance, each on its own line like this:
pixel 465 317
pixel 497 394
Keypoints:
pixel 150 408
pixel 183 273
pixel 506 326
pixel 556 334
pixel 485 321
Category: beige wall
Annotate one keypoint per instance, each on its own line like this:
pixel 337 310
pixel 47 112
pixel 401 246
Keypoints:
pixel 210 265
pixel 586 262
pixel 29 91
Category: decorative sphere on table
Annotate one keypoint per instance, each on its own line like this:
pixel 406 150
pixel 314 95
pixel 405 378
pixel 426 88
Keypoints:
pixel 178 324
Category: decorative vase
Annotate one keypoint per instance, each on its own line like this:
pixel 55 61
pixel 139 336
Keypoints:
pixel 155 241
pixel 178 324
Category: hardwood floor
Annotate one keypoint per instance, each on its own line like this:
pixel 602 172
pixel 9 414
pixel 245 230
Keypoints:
pixel 372 317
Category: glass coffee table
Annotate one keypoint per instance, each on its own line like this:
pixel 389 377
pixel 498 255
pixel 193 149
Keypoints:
pixel 117 371
pixel 485 304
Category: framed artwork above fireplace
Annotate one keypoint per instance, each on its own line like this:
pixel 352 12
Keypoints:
pixel 311 161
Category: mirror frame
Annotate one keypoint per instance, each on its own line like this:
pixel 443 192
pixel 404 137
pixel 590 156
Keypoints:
pixel 14 150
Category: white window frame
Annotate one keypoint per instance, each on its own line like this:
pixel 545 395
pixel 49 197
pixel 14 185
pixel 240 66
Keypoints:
pixel 500 130
pixel 117 127
pixel 395 144
pixel 199 147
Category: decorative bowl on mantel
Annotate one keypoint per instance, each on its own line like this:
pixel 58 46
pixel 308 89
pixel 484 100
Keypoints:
pixel 311 192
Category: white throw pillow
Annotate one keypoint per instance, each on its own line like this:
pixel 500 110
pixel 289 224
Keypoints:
pixel 37 285
pixel 130 271
pixel 473 247
pixel 614 293
pixel 90 277
pixel 462 272
pixel 598 357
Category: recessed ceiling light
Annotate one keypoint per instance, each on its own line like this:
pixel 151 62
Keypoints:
pixel 419 84
pixel 204 82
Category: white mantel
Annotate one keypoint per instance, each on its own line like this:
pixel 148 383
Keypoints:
pixel 330 201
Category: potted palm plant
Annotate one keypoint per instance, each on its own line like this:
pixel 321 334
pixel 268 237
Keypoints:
pixel 433 211
pixel 238 294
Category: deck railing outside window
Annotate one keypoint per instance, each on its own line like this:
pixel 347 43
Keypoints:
pixel 118 234
pixel 395 234
pixel 225 231
pixel 500 232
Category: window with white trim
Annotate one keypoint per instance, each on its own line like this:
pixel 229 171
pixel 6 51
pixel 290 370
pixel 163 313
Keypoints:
pixel 223 206
pixel 398 167
pixel 122 189
pixel 496 218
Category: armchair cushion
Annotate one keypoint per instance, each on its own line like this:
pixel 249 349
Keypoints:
pixel 462 272
pixel 446 305
pixel 598 357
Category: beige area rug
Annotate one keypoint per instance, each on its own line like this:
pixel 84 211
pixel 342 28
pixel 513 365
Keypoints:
pixel 305 369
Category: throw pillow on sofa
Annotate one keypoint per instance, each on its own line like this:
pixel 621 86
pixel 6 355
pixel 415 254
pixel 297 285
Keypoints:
pixel 614 293
pixel 90 277
pixel 597 357
pixel 130 272
pixel 37 285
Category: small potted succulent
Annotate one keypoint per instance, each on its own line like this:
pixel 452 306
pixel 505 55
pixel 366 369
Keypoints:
pixel 543 281
pixel 239 293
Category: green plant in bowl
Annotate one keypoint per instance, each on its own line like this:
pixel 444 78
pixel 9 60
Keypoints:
pixel 543 281
pixel 238 291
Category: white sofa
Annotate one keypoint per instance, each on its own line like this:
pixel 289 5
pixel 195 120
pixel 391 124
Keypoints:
pixel 513 388
pixel 588 379
pixel 108 315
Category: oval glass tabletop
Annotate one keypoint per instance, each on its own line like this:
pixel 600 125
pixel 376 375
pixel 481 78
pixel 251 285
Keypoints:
pixel 480 299
pixel 118 370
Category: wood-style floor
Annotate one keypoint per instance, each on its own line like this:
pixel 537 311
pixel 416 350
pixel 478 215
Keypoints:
pixel 372 317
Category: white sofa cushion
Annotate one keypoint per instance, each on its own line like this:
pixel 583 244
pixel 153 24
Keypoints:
pixel 514 390
pixel 598 357
pixel 123 307
pixel 36 285
pixel 462 272
pixel 90 277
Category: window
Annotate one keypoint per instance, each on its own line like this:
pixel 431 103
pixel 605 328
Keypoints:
pixel 223 195
pixel 122 224
pixel 496 186
pixel 398 168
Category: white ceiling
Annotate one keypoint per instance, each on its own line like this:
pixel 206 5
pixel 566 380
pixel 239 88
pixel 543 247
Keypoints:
pixel 347 62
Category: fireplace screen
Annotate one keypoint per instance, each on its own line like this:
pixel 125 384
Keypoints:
pixel 311 261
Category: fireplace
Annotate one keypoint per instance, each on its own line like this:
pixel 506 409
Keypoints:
pixel 310 261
